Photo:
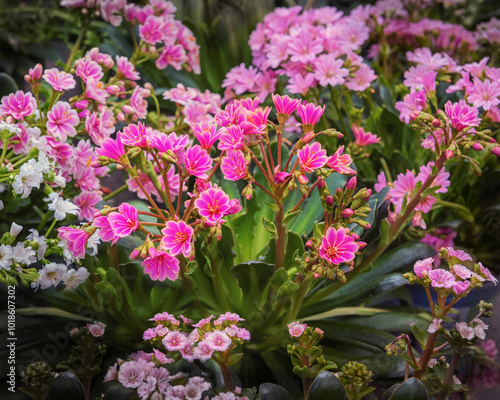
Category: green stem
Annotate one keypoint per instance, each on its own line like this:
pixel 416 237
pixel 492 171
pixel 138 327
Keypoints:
pixel 228 380
pixel 298 299
pixel 50 228
pixel 75 49
pixel 279 259
pixel 5 144
pixel 121 189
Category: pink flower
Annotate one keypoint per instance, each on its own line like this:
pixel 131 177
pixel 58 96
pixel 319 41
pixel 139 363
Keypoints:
pixel 131 374
pixel 228 316
pixel 284 104
pixel 422 266
pixel 198 162
pixel 86 201
pixel 234 165
pixel 461 287
pixel 436 324
pixel 309 113
pixel 303 48
pixel 218 341
pixel 175 341
pixel 95 90
pixel 461 115
pixel 89 69
pixel 138 106
pixel 135 135
pixel 110 148
pixel 461 271
pixel 441 278
pixel 337 247
pixel 161 265
pixel 241 79
pixel 76 240
pixel 206 133
pixel 18 105
pixel 484 94
pixel 59 80
pixel 458 254
pixel 173 55
pixel 125 221
pixel 466 331
pixel 231 138
pixel 362 79
pixel 61 121
pixel 328 70
pixel 340 162
pixel 425 57
pixel 486 272
pixel 100 126
pixel 152 29
pixel 312 157
pixel 203 351
pixel 177 238
pixel 363 138
pixel 96 329
pixel 126 70
pixel 420 77
pixel 111 11
pixel 381 182
pixel 296 329
pixel 212 204
pixel 299 83
pixel 149 334
pixel 411 106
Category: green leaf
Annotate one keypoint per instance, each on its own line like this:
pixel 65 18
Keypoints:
pixel 420 335
pixel 394 321
pixel 7 84
pixel 411 389
pixel 270 227
pixel 119 392
pixel 253 278
pixel 294 247
pixel 327 386
pixel 387 395
pixel 66 386
pixel 271 391
pixel 52 312
pixel 347 311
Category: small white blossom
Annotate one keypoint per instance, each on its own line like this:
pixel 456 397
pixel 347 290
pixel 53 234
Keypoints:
pixel 15 229
pixel 41 240
pixel 50 275
pixel 12 128
pixel 29 176
pixel 45 164
pixel 5 256
pixel 436 324
pixel 75 277
pixel 68 256
pixel 93 242
pixel 1 205
pixel 60 180
pixel 466 331
pixel 479 329
pixel 22 255
pixel 61 207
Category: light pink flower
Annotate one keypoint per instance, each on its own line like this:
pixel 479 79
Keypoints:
pixel 466 331
pixel 422 266
pixel 234 165
pixel 160 265
pixel 177 238
pixel 436 324
pixel 411 106
pixel 420 77
pixel 328 70
pixel 125 221
pixel 217 340
pixel 309 113
pixel 296 329
pixel 488 275
pixel 484 94
pixel 284 104
pixel 198 162
pixel 206 133
pixel 86 201
pixel 441 278
pixel 126 70
pixel 111 11
pixel 61 121
pixel 337 247
pixel 363 138
pixel 462 115
pixel 100 126
pixel 304 48
pixel 461 287
pixel 59 80
pixel 461 271
pixel 95 90
pixel 175 341
pixel 18 105
pixel 312 157
pixel 212 204
pixel 363 77
pixel 174 55
pixel 96 329
pixel 89 69
pixel 381 182
pixel 131 374
pixel 299 83
pixel 149 334
pixel 458 254
pixel 151 31
pixel 228 316
pixel 340 162
pixel 203 351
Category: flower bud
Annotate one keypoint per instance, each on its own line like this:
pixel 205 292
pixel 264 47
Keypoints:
pixel 477 146
pixel 347 213
pixel 351 185
pixel 496 151
pixel 329 201
pixel 436 123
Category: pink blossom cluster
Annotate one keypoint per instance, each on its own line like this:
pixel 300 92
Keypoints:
pixel 209 339
pixel 459 279
pixel 144 373
pixel 308 48
pixel 162 37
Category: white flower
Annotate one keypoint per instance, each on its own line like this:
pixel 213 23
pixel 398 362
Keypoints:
pixel 15 229
pixel 42 242
pixel 1 205
pixel 432 363
pixel 29 176
pixel 93 242
pixel 39 142
pixel 75 277
pixel 50 275
pixel 465 330
pixel 45 164
pixel 12 128
pixel 436 324
pixel 60 206
pixel 479 329
pixel 5 256
pixel 456 381
pixel 60 180
pixel 68 256
pixel 22 255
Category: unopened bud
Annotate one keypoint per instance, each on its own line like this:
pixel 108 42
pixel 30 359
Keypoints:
pixel 347 213
pixel 351 185
pixel 477 146
pixel 329 201
pixel 436 123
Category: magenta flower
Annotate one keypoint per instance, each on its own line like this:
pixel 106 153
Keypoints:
pixel 363 138
pixel 126 69
pixel 234 165
pixel 206 133
pixel 231 138
pixel 76 240
pixel 174 55
pixel 411 106
pixel 217 340
pixel 105 231
pixel 198 162
pixel 312 157
pixel 487 274
pixel 337 246
pixel 284 104
pixel 441 278
pixel 125 221
pixel 152 29
pixel 422 266
pixel 212 204
pixel 61 121
pixel 89 69
pixel 18 105
pixel 340 162
pixel 59 80
pixel 177 238
pixel 404 187
pixel 461 287
pixel 135 135
pixel 461 115
pixel 110 148
pixel 160 265
pixel 309 113
pixel 296 329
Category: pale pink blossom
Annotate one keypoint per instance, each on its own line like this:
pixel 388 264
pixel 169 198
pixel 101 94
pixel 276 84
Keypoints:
pixel 60 81
pixel 61 121
pixel 296 329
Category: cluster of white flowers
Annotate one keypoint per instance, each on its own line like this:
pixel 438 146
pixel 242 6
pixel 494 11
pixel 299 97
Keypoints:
pixel 54 273
pixel 476 328
pixel 60 206
pixel 19 253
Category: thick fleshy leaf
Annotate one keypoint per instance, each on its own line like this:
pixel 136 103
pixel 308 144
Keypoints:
pixel 119 392
pixel 271 391
pixel 294 248
pixel 281 367
pixel 66 386
pixel 394 321
pixel 411 389
pixel 253 277
pixel 327 386
pixel 347 311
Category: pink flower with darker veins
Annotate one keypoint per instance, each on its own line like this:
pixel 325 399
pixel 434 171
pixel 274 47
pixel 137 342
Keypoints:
pixel 284 104
pixel 234 165
pixel 309 113
pixel 362 79
pixel 422 267
pixel 198 161
pixel 125 221
pixel 18 105
pixel 212 204
pixel 61 121
pixel 363 138
pixel 441 278
pixel 89 69
pixel 217 340
pixel 59 80
pixel 160 265
pixel 135 135
pixel 126 70
pixel 152 29
pixel 175 341
pixel 173 55
pixel 86 201
pixel 96 329
pixel 206 133
pixel 312 157
pixel 337 246
pixel 340 162
pixel 411 106
pixel 296 329
pixel 484 94
pixel 177 238
pixel 111 148
pixel 462 115
pixel 76 240
pixel 328 70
